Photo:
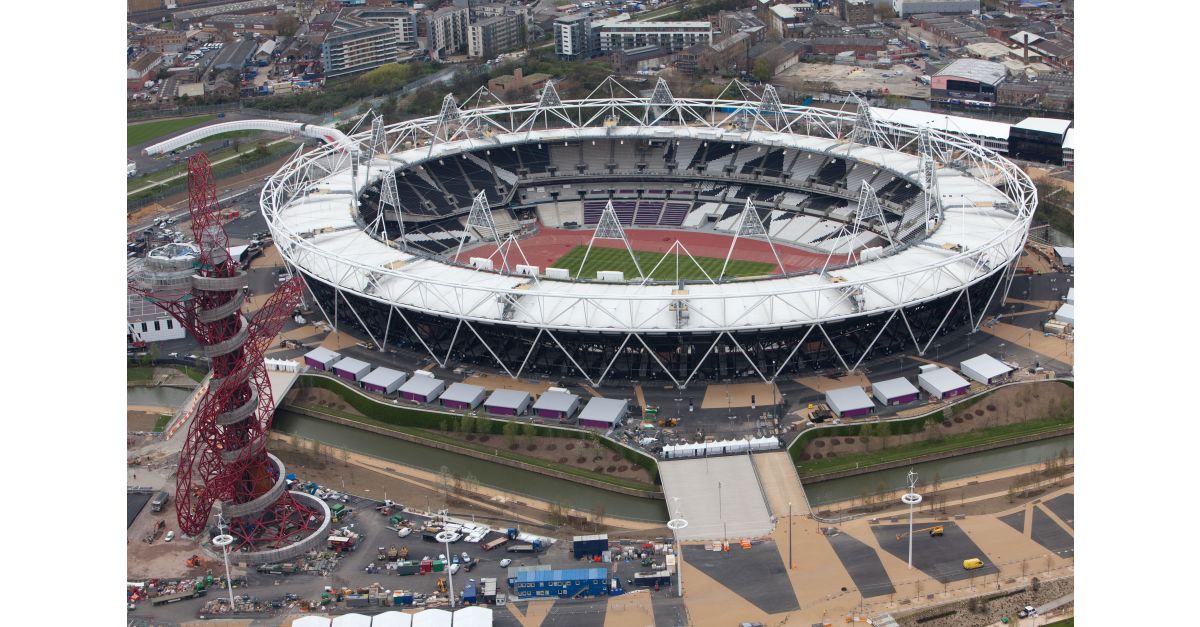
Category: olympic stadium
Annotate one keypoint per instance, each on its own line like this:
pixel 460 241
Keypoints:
pixel 648 237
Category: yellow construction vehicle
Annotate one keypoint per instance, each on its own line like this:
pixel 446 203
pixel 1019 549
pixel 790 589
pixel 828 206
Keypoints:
pixel 441 585
pixel 934 531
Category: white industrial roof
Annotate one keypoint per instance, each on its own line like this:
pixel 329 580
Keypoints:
pixel 311 621
pixel 351 364
pixel 1071 296
pixel 473 617
pixel 893 388
pixel 848 399
pixel 1020 37
pixel 604 410
pixel 950 123
pixel 555 401
pixel 1065 252
pixel 986 365
pixel 383 377
pixel 420 385
pixel 510 399
pixel 1044 125
pixel 463 393
pixel 943 379
pixel 391 619
pixel 322 354
pixel 1069 139
pixel 352 620
pixel 977 70
pixel 432 618
pixel 784 11
pixel 1066 313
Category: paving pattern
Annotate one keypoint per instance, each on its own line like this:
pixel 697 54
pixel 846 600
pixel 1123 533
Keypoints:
pixel 863 564
pixel 1016 520
pixel 1063 506
pixel 757 575
pixel 939 557
pixel 1049 534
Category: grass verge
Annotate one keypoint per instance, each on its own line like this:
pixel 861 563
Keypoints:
pixel 139 374
pixel 489 450
pixel 146 131
pixel 161 423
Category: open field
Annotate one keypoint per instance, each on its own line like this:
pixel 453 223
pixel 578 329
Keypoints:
pixel 898 80
pixel 146 131
pixel 618 259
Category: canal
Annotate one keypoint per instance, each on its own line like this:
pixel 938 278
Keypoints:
pixel 969 465
pixel 578 496
pixel 160 396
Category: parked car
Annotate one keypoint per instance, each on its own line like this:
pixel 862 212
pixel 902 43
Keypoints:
pixel 1027 611
pixel 170 536
pixel 404 531
pixel 505 562
pixel 465 557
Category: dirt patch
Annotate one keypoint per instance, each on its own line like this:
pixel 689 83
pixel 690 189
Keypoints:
pixel 141 420
pixel 987 612
pixel 322 398
pixel 584 455
pixel 1006 406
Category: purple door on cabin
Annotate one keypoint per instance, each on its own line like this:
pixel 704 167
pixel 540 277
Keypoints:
pixel 413 396
pixel 312 363
pixel 504 411
pixel 599 424
pixel 550 413
pixel 374 388
pixel 345 374
pixel 855 413
pixel 907 398
pixel 456 404
pixel 955 392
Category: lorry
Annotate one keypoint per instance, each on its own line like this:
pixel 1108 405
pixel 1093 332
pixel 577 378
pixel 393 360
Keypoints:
pixel 534 547
pixel 498 542
pixel 160 501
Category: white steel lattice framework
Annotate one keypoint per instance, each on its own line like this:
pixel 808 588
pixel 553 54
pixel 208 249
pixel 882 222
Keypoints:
pixel 979 238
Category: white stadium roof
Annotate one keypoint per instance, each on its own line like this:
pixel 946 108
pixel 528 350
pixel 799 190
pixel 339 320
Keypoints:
pixel 941 122
pixel 320 236
pixel 1045 125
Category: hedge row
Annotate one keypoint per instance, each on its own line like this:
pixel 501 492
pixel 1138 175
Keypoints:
pixel 445 421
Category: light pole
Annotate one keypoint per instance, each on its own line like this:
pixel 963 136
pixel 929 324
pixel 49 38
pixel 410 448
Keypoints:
pixel 790 566
pixel 224 540
pixel 445 537
pixel 675 525
pixel 911 499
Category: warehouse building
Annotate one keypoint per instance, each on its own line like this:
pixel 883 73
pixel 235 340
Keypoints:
pixel 559 404
pixel 603 413
pixel 896 391
pixel 1039 139
pixel 351 369
pixel 321 358
pixel 422 388
pixel 942 383
pixel 574 583
pixel 463 396
pixel 383 380
pixel 985 369
pixel 850 402
pixel 589 546
pixel 1065 255
pixel 508 402
pixel 908 8
pixel 968 79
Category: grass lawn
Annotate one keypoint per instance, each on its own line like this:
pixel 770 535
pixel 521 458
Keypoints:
pixel 140 374
pixel 1067 622
pixel 983 436
pixel 490 450
pixel 146 131
pixel 618 259
pixel 162 422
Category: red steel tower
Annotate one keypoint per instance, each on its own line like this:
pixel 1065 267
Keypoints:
pixel 224 459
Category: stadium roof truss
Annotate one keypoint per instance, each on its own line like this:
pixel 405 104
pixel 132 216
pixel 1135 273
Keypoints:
pixel 976 221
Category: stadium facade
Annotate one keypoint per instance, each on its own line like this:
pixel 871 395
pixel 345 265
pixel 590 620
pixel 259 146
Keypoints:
pixel 915 233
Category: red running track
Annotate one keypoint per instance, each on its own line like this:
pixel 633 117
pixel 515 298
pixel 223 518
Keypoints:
pixel 544 248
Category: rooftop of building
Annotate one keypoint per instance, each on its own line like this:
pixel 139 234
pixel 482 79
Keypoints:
pixel 978 70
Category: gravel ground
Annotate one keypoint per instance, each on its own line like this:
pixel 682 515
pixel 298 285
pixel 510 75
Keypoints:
pixel 992 611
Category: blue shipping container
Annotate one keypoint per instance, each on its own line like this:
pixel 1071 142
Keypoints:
pixel 570 583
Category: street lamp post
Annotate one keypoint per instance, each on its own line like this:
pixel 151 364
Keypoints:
pixel 445 537
pixel 790 566
pixel 911 499
pixel 224 540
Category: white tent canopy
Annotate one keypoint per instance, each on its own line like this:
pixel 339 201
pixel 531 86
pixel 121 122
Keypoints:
pixel 392 619
pixel 311 621
pixel 984 368
pixel 352 620
pixel 473 617
pixel 433 618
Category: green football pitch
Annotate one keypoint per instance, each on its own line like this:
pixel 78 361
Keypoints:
pixel 618 259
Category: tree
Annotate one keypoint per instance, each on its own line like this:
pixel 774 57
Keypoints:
pixel 468 424
pixel 445 479
pixel 286 24
pixel 599 515
pixel 762 71
pixel 510 433
pixel 529 431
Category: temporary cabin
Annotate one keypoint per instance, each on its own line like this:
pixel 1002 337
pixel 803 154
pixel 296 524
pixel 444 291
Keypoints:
pixel 560 405
pixel 351 369
pixel 603 413
pixel 850 402
pixel 508 402
pixel 321 358
pixel 985 369
pixel 896 391
pixel 463 396
pixel 383 380
pixel 942 383
pixel 422 389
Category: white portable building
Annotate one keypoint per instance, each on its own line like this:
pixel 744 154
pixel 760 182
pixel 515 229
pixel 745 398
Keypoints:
pixel 942 383
pixel 849 402
pixel 384 380
pixel 985 368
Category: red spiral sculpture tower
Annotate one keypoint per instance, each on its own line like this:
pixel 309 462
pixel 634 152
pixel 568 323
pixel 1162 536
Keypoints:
pixel 224 459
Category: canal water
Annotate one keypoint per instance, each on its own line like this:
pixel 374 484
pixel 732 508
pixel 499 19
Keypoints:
pixel 947 469
pixel 161 396
pixel 578 496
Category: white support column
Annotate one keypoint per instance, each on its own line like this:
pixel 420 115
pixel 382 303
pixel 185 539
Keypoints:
pixel 570 358
pixel 783 364
pixel 411 329
pixel 876 339
pixel 750 224
pixel 609 228
pixel 870 209
pixel 833 348
pixel 532 347
pixel 612 361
